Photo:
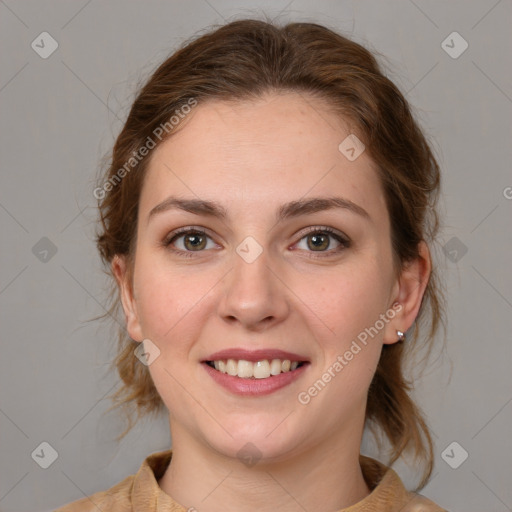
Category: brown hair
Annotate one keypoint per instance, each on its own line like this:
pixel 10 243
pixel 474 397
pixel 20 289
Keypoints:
pixel 245 59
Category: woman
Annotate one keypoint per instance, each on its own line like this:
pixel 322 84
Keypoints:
pixel 267 216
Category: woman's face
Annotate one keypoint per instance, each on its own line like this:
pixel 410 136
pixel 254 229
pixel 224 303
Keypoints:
pixel 282 276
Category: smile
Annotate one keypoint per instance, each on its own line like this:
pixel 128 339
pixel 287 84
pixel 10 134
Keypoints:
pixel 254 370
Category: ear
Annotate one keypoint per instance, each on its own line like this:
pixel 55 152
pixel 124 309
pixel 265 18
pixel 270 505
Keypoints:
pixel 123 277
pixel 409 292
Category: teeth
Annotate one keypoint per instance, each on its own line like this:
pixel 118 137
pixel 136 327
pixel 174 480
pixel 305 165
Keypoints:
pixel 231 367
pixel 275 367
pixel 245 369
pixel 259 370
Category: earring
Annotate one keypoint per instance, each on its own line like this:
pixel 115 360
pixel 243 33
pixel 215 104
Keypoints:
pixel 401 335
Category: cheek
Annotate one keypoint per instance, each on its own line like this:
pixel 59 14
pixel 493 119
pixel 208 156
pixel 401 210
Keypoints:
pixel 345 302
pixel 350 350
pixel 169 301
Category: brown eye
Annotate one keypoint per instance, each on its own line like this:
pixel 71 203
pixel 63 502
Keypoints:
pixel 194 242
pixel 318 242
pixel 187 241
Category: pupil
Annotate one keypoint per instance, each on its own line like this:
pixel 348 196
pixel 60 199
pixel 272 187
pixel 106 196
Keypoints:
pixel 318 238
pixel 198 241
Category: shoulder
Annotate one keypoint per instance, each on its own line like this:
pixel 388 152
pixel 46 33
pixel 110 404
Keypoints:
pixel 135 491
pixel 388 492
pixel 419 503
pixel 115 499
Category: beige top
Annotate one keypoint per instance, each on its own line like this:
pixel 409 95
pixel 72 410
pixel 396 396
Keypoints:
pixel 141 492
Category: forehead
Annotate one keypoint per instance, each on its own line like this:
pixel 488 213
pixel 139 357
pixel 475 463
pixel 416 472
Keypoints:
pixel 277 148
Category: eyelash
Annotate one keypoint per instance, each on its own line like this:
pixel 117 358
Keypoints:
pixel 342 239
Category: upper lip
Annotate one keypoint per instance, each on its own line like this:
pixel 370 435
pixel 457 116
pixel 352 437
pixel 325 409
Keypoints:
pixel 254 355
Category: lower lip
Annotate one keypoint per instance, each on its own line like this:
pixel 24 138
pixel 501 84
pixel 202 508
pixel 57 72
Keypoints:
pixel 254 387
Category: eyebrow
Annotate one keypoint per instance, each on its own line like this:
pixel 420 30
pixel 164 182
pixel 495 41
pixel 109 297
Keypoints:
pixel 286 211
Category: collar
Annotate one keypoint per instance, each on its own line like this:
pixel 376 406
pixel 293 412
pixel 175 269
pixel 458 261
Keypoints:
pixel 387 491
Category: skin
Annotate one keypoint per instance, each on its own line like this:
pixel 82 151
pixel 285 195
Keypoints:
pixel 252 157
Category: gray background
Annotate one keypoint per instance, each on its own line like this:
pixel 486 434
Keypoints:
pixel 58 117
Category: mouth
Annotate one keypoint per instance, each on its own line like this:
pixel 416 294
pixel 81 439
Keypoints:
pixel 263 369
pixel 254 372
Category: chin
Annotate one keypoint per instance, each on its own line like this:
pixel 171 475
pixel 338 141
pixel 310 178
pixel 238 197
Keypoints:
pixel 257 438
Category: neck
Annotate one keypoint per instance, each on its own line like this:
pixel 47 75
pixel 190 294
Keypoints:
pixel 328 475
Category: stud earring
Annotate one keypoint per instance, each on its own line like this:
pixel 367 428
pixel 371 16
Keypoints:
pixel 401 335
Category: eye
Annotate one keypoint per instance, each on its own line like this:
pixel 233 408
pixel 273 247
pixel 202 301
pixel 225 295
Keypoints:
pixel 319 239
pixel 187 240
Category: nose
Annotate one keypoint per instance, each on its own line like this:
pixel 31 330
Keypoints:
pixel 255 295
